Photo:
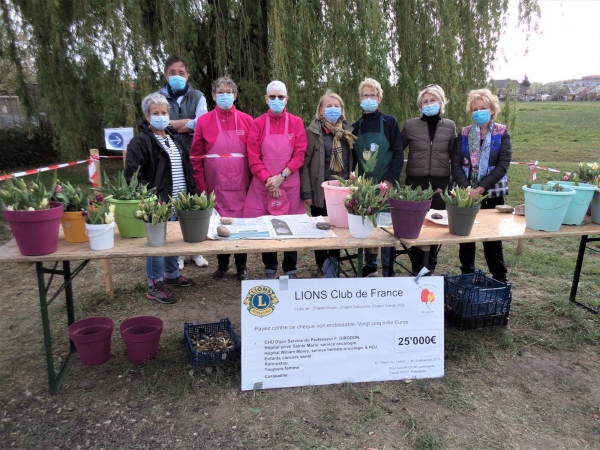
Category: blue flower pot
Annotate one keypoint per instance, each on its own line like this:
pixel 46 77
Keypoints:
pixel 545 210
pixel 580 202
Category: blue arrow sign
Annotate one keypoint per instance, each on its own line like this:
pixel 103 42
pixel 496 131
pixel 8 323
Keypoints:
pixel 116 140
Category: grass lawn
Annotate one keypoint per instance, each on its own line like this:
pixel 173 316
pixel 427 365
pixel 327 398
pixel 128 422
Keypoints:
pixel 532 384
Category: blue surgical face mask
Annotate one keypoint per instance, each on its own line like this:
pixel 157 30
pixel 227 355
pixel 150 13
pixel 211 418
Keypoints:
pixel 277 106
pixel 177 83
pixel 481 117
pixel 159 122
pixel 332 114
pixel 431 110
pixel 224 101
pixel 368 105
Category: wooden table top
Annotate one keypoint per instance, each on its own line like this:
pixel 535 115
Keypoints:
pixel 138 247
pixel 494 226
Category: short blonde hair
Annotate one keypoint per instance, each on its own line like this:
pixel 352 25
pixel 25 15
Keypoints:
pixel 322 100
pixel 487 97
pixel 437 92
pixel 373 84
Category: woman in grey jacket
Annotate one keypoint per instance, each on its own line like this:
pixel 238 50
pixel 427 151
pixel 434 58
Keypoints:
pixel 430 140
pixel 328 154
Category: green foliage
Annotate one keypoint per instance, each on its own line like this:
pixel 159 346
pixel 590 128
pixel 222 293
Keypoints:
pixel 120 189
pixel 187 202
pixel 366 199
pixel 153 211
pixel 95 60
pixel 73 199
pixel 459 196
pixel 409 193
pixel 26 147
pixel 100 213
pixel 19 195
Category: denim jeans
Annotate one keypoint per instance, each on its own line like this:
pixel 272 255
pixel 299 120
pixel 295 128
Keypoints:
pixel 160 267
pixel 371 259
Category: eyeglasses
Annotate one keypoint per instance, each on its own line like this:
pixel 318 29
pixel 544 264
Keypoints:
pixel 223 93
pixel 369 96
pixel 280 97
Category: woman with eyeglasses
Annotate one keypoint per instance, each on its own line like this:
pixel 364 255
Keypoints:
pixel 379 152
pixel 276 147
pixel 328 154
pixel 481 159
pixel 222 133
pixel 430 140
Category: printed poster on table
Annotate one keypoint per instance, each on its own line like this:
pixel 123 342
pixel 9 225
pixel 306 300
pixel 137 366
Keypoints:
pixel 326 331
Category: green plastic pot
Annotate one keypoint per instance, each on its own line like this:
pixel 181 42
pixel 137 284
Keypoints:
pixel 128 225
pixel 194 224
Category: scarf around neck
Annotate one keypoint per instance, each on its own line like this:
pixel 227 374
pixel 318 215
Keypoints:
pixel 338 133
pixel 479 152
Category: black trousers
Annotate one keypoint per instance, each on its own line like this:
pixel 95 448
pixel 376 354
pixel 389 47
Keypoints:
pixel 322 255
pixel 240 260
pixel 288 265
pixel 492 250
pixel 416 254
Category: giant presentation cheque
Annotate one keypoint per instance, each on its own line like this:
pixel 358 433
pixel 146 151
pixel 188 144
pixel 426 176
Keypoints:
pixel 325 331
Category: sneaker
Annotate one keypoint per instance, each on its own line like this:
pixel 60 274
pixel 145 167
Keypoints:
pixel 180 281
pixel 161 294
pixel 220 272
pixel 200 261
pixel 180 261
pixel 369 271
pixel 242 274
pixel 269 276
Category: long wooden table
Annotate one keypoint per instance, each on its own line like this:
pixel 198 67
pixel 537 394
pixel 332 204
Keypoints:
pixel 496 226
pixel 127 248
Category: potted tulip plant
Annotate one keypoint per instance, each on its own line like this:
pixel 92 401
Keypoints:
pixel 75 202
pixel 461 209
pixel 546 205
pixel 365 200
pixel 33 217
pixel 194 212
pixel 126 196
pixel 409 207
pixel 100 224
pixel 155 215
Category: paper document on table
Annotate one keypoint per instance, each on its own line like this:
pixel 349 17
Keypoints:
pixel 296 226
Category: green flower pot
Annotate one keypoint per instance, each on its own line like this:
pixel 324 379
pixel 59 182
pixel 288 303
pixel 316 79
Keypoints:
pixel 128 225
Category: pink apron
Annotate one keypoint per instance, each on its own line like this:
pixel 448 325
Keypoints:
pixel 228 176
pixel 276 151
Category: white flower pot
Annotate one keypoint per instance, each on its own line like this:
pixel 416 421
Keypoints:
pixel 359 228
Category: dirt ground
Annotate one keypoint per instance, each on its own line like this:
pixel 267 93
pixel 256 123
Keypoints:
pixel 499 391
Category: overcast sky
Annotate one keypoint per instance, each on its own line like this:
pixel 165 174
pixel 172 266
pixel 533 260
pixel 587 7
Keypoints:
pixel 568 46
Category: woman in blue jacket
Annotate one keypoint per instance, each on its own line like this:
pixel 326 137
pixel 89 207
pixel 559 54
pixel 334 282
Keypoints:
pixel 481 159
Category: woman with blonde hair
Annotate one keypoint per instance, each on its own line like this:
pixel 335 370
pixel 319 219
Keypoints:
pixel 328 154
pixel 481 159
pixel 430 140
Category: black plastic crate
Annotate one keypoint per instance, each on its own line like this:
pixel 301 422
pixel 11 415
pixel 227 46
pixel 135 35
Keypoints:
pixel 475 288
pixel 198 359
pixel 473 323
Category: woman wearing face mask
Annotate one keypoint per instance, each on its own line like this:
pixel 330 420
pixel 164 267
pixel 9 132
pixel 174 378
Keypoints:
pixel 224 131
pixel 430 140
pixel 165 165
pixel 378 141
pixel 328 154
pixel 276 147
pixel 481 159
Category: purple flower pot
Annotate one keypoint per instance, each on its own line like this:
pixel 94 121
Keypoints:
pixel 36 232
pixel 141 336
pixel 91 337
pixel 408 217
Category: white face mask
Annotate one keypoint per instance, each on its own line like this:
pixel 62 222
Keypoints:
pixel 159 122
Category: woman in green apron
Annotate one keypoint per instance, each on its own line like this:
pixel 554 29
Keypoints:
pixel 379 152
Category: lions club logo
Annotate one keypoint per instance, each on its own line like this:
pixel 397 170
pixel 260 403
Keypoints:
pixel 261 301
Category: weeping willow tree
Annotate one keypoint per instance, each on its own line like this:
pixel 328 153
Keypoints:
pixel 96 59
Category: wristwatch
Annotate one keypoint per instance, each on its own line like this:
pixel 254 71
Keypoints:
pixel 284 175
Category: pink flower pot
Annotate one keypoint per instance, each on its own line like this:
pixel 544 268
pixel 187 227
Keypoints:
pixel 141 336
pixel 36 232
pixel 408 217
pixel 91 337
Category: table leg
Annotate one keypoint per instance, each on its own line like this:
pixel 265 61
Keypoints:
pixel 359 264
pixel 46 327
pixel 577 273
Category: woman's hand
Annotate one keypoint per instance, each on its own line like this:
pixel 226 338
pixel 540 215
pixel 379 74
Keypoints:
pixel 274 182
pixel 308 202
pixel 275 192
pixel 475 193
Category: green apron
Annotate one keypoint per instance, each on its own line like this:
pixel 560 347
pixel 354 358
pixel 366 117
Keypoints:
pixel 376 164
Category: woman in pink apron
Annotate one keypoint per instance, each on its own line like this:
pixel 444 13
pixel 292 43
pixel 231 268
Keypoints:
pixel 220 162
pixel 276 147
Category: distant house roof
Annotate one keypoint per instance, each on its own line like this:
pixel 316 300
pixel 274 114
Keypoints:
pixel 596 90
pixel 501 84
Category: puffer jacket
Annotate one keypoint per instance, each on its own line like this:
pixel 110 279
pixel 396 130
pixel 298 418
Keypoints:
pixel 312 173
pixel 426 157
pixel 144 151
